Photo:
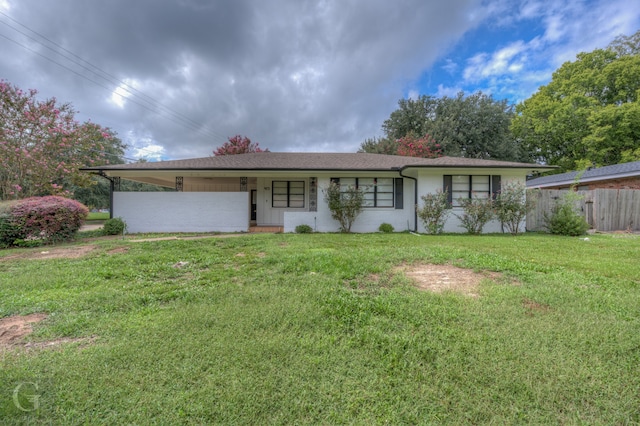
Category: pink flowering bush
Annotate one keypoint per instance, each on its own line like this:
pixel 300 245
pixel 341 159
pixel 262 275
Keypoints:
pixel 41 220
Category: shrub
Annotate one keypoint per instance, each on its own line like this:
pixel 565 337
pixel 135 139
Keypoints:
pixel 46 219
pixel 387 228
pixel 476 213
pixel 304 229
pixel 565 219
pixel 114 226
pixel 345 206
pixel 512 205
pixel 434 211
pixel 8 231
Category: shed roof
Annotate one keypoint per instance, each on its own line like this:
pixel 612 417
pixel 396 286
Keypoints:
pixel 615 171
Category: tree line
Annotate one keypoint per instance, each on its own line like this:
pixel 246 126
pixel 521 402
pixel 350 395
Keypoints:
pixel 588 115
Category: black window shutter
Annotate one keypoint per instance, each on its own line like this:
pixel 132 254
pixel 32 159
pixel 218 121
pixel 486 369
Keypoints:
pixel 495 186
pixel 446 187
pixel 399 193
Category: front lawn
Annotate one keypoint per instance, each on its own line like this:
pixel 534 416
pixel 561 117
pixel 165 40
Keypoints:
pixel 97 216
pixel 323 328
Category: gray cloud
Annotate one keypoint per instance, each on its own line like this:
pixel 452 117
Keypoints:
pixel 291 75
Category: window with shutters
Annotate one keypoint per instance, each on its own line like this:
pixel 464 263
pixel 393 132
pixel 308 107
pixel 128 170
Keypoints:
pixel 470 186
pixel 378 192
pixel 287 193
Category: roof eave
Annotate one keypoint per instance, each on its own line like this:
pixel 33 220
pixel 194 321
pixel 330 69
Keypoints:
pixel 587 179
pixel 468 166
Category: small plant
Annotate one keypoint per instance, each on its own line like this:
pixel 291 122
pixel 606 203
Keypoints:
pixel 345 206
pixel 114 226
pixel 512 205
pixel 434 211
pixel 386 228
pixel 303 229
pixel 476 213
pixel 565 219
pixel 28 242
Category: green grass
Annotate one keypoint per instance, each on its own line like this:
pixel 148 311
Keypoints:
pixel 97 216
pixel 318 328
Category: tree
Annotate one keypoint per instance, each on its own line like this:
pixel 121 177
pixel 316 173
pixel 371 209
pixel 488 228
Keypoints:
pixel 409 145
pixel 345 204
pixel 379 146
pixel 412 116
pixel 422 147
pixel 589 114
pixel 626 45
pixel 238 145
pixel 42 147
pixel 475 126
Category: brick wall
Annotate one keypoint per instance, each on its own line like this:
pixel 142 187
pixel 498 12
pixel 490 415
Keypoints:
pixel 626 183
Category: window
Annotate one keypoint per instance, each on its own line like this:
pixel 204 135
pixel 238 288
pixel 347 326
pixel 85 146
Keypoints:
pixel 286 193
pixel 468 186
pixel 378 192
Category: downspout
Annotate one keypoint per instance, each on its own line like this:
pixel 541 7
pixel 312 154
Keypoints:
pixel 415 196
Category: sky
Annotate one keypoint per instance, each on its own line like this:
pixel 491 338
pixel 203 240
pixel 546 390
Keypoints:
pixel 176 78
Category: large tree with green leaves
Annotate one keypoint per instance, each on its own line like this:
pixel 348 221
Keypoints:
pixel 475 126
pixel 383 145
pixel 589 113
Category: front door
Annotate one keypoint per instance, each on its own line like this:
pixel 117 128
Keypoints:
pixel 254 204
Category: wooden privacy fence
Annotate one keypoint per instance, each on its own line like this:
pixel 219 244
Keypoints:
pixel 603 209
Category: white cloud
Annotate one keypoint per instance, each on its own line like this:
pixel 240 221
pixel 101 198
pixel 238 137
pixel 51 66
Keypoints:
pixel 124 91
pixel 450 66
pixel 149 152
pixel 447 91
pixel 413 94
pixel 530 10
pixel 503 61
pixel 555 28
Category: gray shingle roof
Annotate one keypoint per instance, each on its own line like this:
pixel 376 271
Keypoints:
pixel 601 173
pixel 313 161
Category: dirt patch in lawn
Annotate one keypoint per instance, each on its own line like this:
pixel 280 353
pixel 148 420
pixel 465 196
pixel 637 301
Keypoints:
pixel 14 329
pixel 53 253
pixel 532 307
pixel 439 278
pixel 118 250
